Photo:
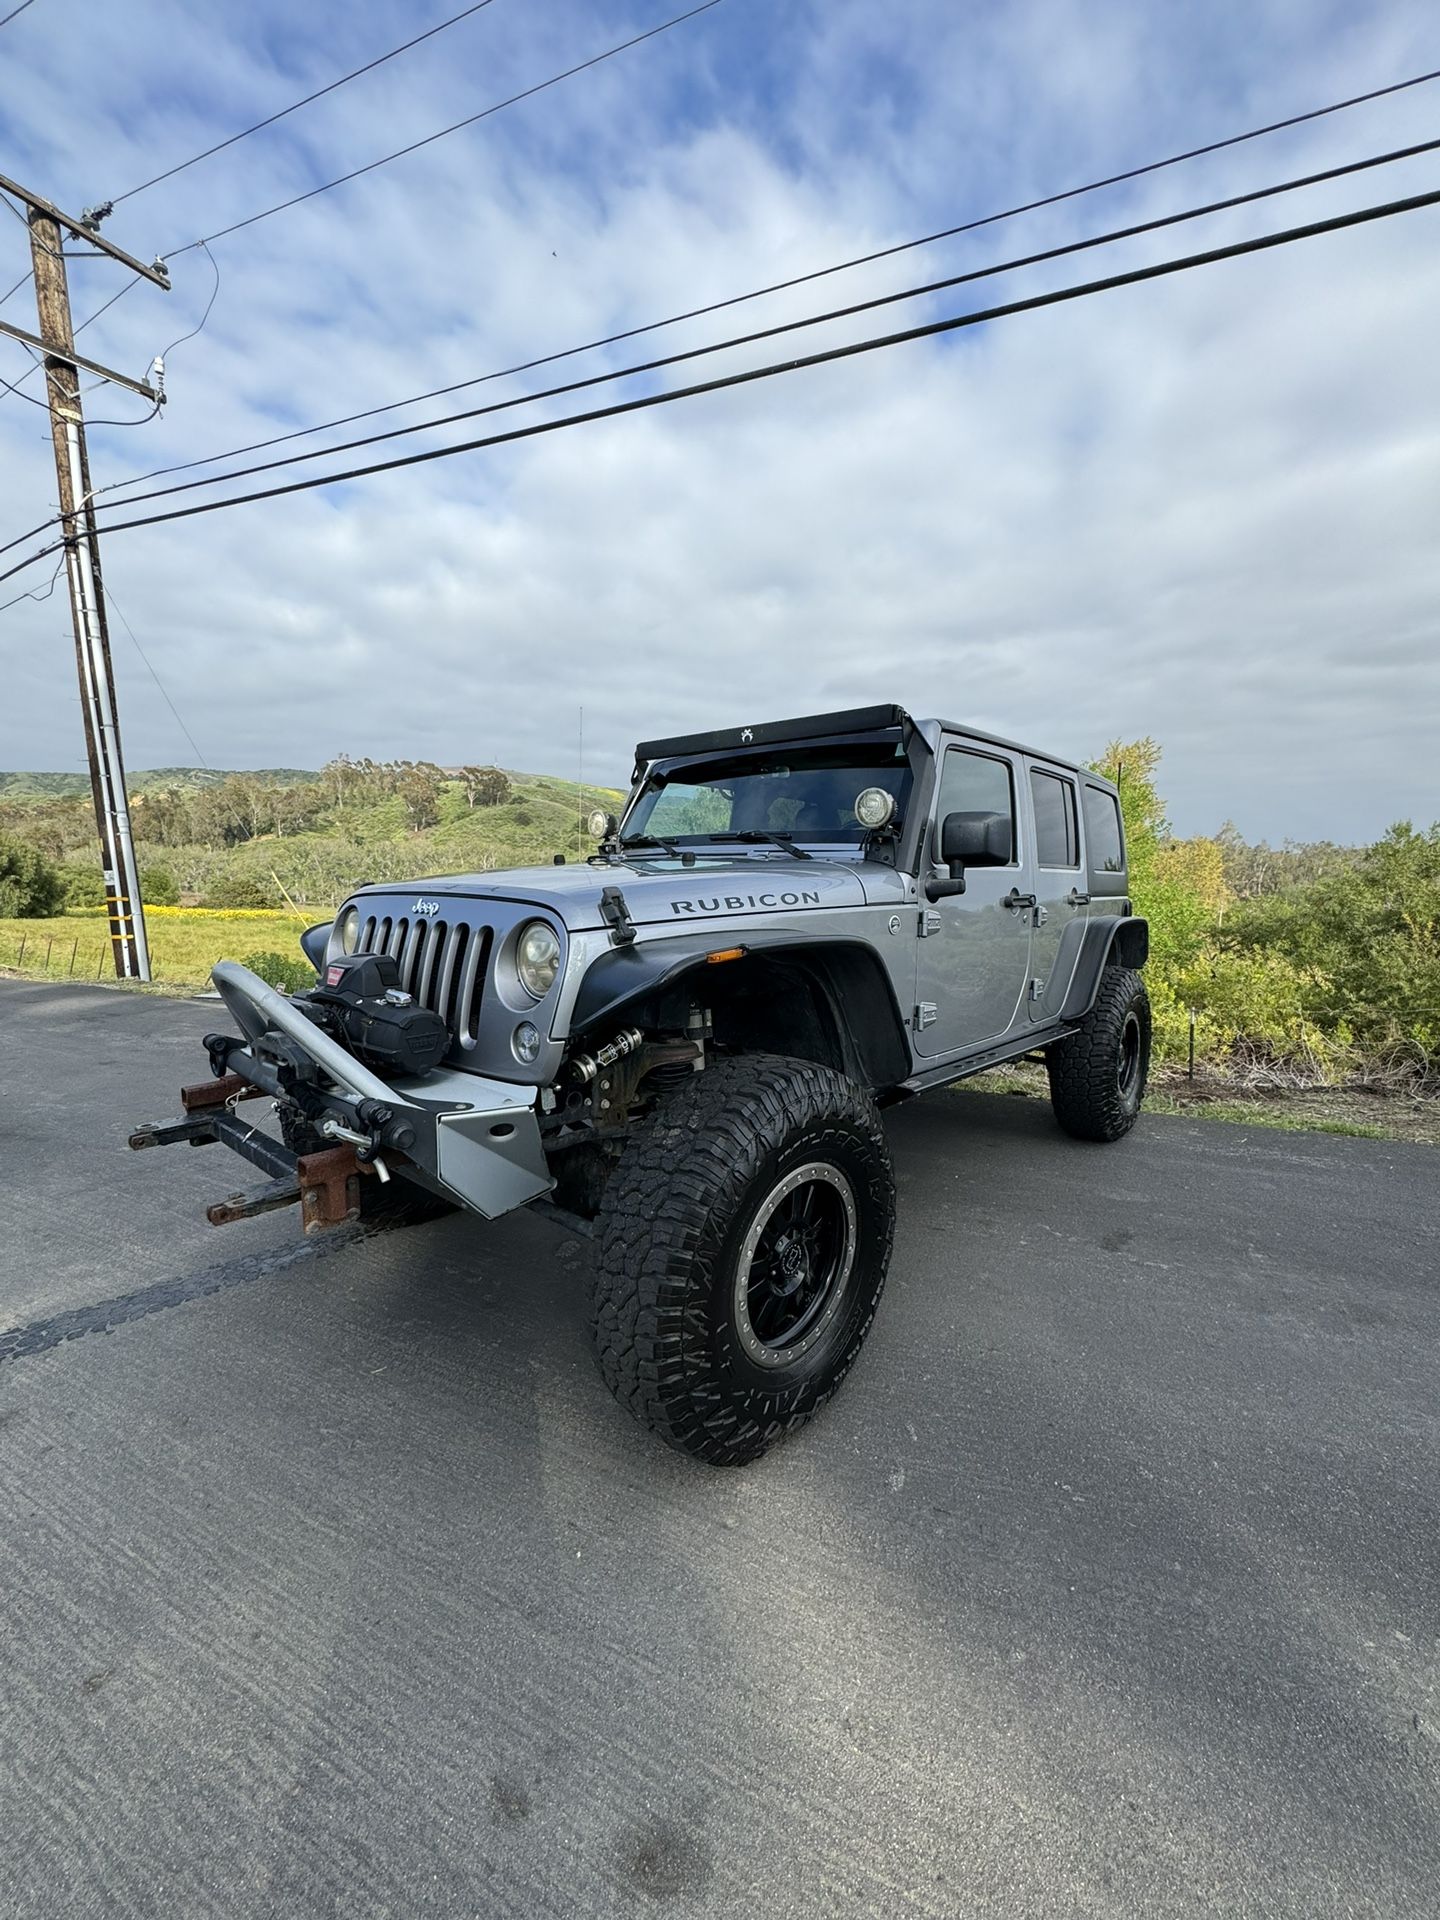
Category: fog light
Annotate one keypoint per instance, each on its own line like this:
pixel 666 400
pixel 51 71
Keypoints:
pixel 525 1042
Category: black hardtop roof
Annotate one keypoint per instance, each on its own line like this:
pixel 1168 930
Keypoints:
pixel 823 726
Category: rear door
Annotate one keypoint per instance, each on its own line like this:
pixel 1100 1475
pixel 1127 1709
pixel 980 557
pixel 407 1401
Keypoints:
pixel 974 957
pixel 1058 883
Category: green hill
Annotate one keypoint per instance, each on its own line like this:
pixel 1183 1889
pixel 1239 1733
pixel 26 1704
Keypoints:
pixel 70 786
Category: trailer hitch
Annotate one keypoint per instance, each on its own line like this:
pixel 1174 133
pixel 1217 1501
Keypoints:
pixel 325 1185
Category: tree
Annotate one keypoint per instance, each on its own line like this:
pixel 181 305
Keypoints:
pixel 31 887
pixel 417 785
pixel 484 786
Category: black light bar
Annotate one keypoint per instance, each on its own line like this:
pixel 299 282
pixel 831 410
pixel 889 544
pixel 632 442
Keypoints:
pixel 813 726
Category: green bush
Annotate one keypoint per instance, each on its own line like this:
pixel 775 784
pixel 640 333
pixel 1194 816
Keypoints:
pixel 238 890
pixel 31 887
pixel 159 887
pixel 1369 936
pixel 84 886
pixel 278 970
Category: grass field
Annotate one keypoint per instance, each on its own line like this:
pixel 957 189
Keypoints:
pixel 185 942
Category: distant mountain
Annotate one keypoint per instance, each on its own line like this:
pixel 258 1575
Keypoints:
pixel 66 786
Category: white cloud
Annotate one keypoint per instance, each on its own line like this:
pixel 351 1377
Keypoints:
pixel 1202 509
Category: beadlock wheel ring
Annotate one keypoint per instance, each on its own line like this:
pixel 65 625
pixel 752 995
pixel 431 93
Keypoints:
pixel 794 1263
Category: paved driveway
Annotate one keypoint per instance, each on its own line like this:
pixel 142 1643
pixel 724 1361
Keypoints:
pixel 336 1585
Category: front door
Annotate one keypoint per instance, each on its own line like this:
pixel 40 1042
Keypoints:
pixel 974 961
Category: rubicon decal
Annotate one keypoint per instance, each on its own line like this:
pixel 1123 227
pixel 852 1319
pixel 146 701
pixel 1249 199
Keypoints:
pixel 736 902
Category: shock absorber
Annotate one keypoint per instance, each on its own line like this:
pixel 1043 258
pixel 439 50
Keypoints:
pixel 586 1065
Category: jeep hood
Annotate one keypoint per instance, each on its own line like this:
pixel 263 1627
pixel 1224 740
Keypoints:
pixel 663 891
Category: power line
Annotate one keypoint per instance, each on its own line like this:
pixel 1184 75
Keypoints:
pixel 32 370
pixel 14 10
pixel 199 326
pixel 791 326
pixel 783 286
pixel 469 121
pixel 115 609
pixel 295 105
pixel 13 386
pixel 928 330
pixel 41 593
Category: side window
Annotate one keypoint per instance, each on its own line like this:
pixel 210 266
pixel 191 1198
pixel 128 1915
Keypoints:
pixel 1057 829
pixel 976 783
pixel 1102 831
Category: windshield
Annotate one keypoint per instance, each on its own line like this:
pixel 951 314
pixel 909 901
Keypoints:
pixel 807 793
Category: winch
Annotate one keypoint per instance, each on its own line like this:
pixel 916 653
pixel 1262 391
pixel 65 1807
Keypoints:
pixel 359 1002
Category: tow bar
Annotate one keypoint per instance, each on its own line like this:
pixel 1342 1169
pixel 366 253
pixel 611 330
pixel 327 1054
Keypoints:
pixel 326 1185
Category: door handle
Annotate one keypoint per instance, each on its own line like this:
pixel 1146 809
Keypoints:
pixel 1015 900
pixel 1077 899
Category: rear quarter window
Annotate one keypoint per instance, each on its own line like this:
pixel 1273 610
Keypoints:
pixel 1104 840
pixel 1057 831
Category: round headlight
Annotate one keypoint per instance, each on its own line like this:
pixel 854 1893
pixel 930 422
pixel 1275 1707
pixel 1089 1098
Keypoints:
pixel 537 958
pixel 601 824
pixel 349 929
pixel 874 807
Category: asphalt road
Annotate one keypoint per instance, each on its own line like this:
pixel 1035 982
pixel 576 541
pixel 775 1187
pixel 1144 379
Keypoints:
pixel 337 1585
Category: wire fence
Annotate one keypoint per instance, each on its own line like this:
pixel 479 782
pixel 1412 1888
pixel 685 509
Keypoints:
pixel 61 957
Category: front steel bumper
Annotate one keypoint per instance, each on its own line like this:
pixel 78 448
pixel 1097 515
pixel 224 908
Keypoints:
pixel 472 1140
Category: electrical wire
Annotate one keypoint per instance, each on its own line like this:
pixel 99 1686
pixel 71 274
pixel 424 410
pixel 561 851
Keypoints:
pixel 143 421
pixel 469 121
pixel 13 386
pixel 39 593
pixel 199 326
pixel 295 105
pixel 1133 276
pixel 30 371
pixel 790 326
pixel 164 695
pixel 783 286
pixel 14 10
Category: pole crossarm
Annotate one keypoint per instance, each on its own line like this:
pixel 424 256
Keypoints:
pixel 158 273
pixel 73 359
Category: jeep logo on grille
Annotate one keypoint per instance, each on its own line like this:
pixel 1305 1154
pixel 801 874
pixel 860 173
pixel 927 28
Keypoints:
pixel 425 908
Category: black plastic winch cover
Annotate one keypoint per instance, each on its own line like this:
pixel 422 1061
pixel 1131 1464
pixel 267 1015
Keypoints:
pixel 359 1003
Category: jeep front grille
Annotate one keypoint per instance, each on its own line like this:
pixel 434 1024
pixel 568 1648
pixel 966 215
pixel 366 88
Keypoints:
pixel 443 963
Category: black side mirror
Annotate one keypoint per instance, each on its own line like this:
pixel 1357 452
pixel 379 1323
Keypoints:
pixel 970 840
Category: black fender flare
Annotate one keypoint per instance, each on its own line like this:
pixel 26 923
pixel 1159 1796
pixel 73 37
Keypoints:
pixel 1107 936
pixel 869 1028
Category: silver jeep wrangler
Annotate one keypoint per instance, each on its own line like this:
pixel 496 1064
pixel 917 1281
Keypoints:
pixel 680 1047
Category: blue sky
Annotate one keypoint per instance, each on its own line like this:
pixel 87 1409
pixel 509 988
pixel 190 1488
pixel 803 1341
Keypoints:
pixel 1203 509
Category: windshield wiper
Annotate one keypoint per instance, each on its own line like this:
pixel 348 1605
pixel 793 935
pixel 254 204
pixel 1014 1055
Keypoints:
pixel 685 855
pixel 759 835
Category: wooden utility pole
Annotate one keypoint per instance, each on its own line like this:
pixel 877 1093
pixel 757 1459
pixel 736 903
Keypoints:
pixel 82 559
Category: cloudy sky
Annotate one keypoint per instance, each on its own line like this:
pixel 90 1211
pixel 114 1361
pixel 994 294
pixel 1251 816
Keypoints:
pixel 1205 508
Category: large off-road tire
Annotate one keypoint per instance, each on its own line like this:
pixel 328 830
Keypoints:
pixel 740 1253
pixel 396 1202
pixel 1098 1074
